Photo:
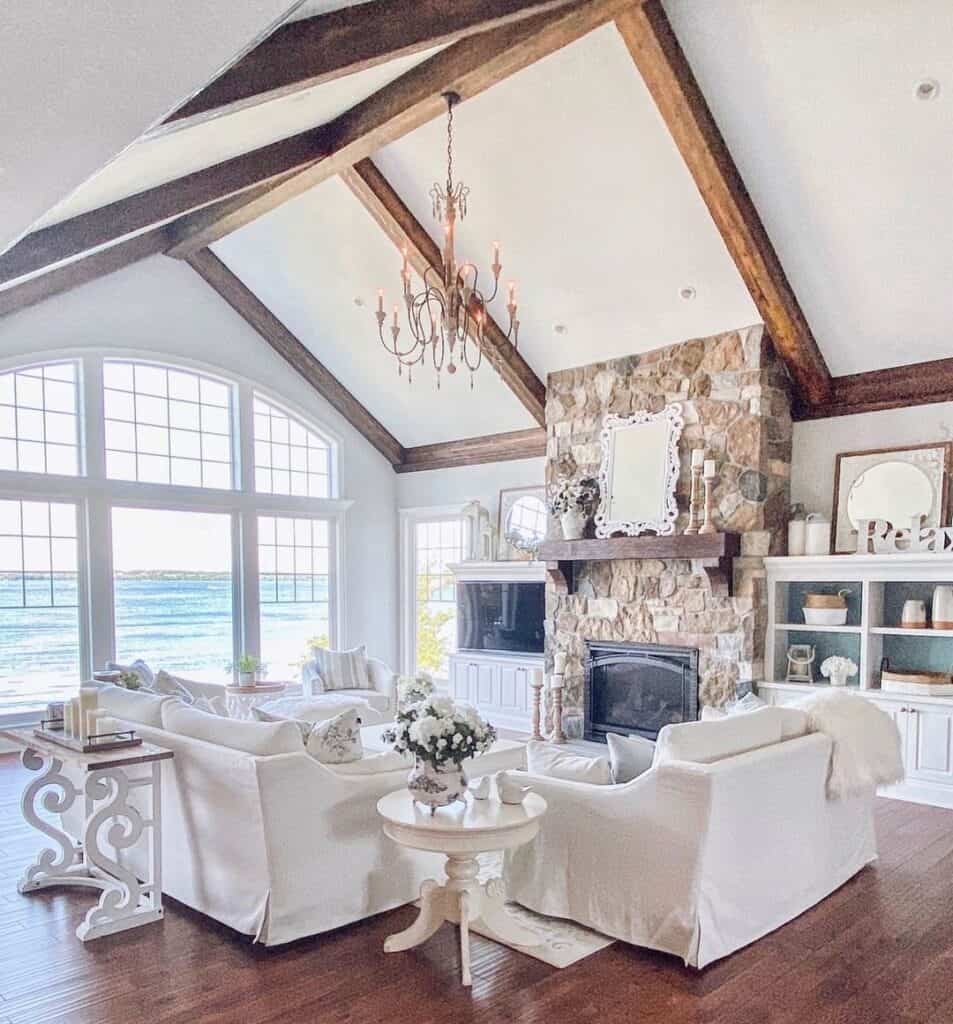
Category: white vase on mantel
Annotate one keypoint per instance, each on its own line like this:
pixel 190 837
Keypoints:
pixel 573 524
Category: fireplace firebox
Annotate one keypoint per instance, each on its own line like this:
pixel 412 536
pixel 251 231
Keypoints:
pixel 638 688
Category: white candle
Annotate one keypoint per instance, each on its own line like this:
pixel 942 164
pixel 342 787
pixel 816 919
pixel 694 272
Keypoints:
pixel 555 682
pixel 496 254
pixel 68 718
pixel 698 456
pixel 559 663
pixel 710 469
pixel 92 721
pixel 76 730
pixel 88 701
pixel 536 677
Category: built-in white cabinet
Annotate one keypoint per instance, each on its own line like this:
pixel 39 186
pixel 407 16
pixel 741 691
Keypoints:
pixel 497 685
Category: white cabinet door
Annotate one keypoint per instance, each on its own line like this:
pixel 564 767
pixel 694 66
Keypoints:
pixel 485 692
pixel 929 744
pixel 458 679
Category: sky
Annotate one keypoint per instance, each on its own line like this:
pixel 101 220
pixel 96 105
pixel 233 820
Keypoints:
pixel 162 540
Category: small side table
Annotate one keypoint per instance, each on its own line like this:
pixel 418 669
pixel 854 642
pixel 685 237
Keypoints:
pixel 111 822
pixel 460 832
pixel 241 699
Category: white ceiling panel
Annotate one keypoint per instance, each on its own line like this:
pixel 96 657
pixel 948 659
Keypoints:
pixel 184 147
pixel 80 81
pixel 852 175
pixel 572 169
pixel 308 261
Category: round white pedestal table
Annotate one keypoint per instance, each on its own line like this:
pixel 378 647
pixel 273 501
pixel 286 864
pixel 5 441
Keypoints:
pixel 460 832
pixel 240 700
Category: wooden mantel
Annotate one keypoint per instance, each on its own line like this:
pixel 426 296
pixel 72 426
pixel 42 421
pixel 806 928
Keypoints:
pixel 715 551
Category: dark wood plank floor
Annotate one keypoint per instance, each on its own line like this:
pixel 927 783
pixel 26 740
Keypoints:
pixel 879 951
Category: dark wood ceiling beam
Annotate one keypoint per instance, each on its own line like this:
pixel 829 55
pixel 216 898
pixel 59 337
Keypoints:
pixel 467 67
pixel 404 230
pixel 475 451
pixel 254 312
pixel 666 72
pixel 309 52
pixel 71 239
pixel 898 387
pixel 72 275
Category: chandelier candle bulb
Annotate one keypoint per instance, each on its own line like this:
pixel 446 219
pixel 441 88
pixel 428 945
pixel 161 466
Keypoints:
pixel 711 469
pixel 698 457
pixel 559 663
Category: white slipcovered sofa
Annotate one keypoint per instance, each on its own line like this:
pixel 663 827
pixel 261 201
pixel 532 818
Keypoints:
pixel 266 839
pixel 729 835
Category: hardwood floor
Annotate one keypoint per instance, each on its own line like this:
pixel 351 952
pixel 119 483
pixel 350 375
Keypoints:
pixel 878 951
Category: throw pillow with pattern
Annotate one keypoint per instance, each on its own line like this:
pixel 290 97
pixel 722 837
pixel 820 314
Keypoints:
pixel 342 670
pixel 338 740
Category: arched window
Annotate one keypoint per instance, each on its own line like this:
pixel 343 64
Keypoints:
pixel 179 539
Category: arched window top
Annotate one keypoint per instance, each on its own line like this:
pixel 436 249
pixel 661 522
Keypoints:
pixel 39 420
pixel 290 457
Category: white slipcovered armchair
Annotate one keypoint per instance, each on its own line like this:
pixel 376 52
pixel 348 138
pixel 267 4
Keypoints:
pixel 380 681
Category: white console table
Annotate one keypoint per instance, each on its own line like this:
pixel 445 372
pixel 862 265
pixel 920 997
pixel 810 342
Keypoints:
pixel 111 823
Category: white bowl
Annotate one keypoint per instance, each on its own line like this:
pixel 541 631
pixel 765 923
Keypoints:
pixel 825 616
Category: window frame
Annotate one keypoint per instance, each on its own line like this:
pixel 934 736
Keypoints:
pixel 95 495
pixel 410 519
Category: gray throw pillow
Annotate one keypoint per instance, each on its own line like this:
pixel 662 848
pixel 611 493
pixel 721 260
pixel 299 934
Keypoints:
pixel 629 756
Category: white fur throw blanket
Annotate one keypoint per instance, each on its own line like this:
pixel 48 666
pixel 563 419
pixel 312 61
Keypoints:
pixel 866 741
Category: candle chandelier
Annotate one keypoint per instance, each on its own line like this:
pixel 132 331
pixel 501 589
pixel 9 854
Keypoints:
pixel 447 318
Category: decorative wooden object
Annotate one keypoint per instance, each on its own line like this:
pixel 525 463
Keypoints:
pixel 694 503
pixel 89 744
pixel 709 474
pixel 474 451
pixel 714 552
pixel 556 689
pixel 537 688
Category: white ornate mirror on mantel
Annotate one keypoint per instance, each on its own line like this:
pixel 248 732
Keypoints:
pixel 639 473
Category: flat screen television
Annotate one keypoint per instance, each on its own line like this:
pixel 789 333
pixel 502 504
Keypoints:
pixel 505 617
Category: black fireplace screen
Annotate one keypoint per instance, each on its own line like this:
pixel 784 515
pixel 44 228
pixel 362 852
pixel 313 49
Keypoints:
pixel 638 688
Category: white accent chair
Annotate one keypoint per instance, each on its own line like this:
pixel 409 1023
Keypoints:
pixel 380 692
pixel 693 858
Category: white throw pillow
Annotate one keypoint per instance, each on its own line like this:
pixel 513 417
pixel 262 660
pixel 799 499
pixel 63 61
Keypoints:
pixel 138 667
pixel 261 738
pixel 337 740
pixel 211 706
pixel 342 670
pixel 629 756
pixel 794 721
pixel 548 759
pixel 134 705
pixel 374 764
pixel 261 715
pixel 705 742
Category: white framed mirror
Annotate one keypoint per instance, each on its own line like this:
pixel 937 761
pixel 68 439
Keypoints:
pixel 639 473
pixel 903 486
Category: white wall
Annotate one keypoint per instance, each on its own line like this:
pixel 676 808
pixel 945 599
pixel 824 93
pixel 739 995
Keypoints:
pixel 466 483
pixel 161 305
pixel 817 443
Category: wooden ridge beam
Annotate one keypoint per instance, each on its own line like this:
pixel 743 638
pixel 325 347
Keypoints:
pixel 251 309
pixel 662 64
pixel 72 275
pixel 474 451
pixel 403 229
pixel 893 388
pixel 309 52
pixel 468 67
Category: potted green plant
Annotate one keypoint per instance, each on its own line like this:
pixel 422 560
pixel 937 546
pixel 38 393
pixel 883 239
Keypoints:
pixel 247 666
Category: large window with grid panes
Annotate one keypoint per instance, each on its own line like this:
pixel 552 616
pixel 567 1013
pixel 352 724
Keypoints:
pixel 139 519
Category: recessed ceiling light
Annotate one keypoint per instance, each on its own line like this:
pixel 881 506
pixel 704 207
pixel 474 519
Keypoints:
pixel 927 89
pixel 560 329
pixel 687 293
pixel 358 301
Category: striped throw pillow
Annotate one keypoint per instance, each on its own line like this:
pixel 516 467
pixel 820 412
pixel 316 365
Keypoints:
pixel 343 670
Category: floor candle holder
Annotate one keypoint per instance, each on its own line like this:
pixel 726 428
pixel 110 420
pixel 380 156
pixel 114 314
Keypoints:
pixel 556 689
pixel 537 688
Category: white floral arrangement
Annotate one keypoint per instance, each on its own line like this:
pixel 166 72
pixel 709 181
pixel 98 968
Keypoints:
pixel 838 669
pixel 414 689
pixel 440 732
pixel 574 495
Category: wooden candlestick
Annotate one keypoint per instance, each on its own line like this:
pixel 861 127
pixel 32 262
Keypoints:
pixel 537 703
pixel 556 688
pixel 709 474
pixel 694 502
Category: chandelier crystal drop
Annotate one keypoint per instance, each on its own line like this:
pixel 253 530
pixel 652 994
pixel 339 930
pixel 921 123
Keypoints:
pixel 447 318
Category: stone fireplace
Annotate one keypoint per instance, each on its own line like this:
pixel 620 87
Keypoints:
pixel 735 402
pixel 638 688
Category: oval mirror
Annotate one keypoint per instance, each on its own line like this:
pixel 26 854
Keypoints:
pixel 899 492
pixel 525 526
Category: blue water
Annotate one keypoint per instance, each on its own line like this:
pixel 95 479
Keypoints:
pixel 180 623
